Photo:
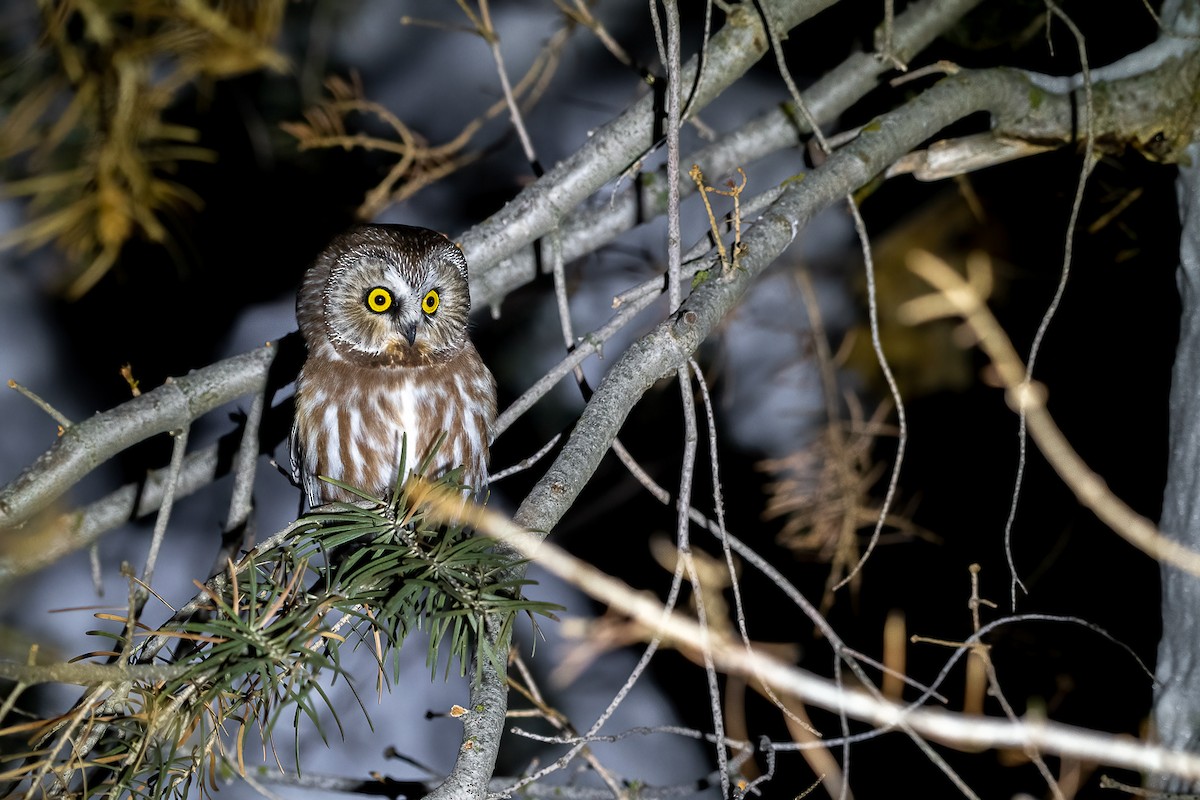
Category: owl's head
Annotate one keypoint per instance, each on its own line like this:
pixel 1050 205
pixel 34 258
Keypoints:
pixel 387 295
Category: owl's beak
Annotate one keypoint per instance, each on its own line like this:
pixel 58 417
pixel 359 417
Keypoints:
pixel 410 333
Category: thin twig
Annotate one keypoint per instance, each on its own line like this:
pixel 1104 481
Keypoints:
pixel 558 272
pixel 1089 162
pixel 901 415
pixel 178 451
pixel 872 317
pixel 245 468
pixel 514 111
pixel 673 62
pixel 994 688
pixel 37 400
pixel 526 463
pixel 722 534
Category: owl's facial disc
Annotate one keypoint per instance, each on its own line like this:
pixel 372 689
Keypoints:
pixel 396 308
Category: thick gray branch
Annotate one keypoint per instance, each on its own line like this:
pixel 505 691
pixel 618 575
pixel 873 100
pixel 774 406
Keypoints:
pixel 1178 671
pixel 87 445
pixel 1154 111
pixel 613 148
pixel 661 352
pixel 495 274
pixel 483 727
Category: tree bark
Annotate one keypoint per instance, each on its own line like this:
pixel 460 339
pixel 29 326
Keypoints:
pixel 1177 698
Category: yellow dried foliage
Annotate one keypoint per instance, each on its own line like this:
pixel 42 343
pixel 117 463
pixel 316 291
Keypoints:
pixel 84 136
pixel 335 123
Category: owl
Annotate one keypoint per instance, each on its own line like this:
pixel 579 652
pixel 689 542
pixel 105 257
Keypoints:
pixel 390 368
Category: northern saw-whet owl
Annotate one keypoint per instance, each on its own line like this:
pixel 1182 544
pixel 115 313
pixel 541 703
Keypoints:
pixel 384 313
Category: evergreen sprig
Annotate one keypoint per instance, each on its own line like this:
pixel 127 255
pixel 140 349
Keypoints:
pixel 268 627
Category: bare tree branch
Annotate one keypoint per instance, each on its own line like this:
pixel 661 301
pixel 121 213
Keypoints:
pixel 86 445
pixel 613 148
pixel 497 248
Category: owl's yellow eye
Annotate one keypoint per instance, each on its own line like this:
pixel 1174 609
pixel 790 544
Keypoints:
pixel 379 300
pixel 431 302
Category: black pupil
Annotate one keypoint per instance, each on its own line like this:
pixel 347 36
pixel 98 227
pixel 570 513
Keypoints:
pixel 429 300
pixel 378 299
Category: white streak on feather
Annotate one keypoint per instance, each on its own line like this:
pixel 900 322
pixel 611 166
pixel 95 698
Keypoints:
pixel 407 423
pixel 333 451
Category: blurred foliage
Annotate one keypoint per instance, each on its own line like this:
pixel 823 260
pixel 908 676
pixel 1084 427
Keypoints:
pixel 85 135
pixel 927 358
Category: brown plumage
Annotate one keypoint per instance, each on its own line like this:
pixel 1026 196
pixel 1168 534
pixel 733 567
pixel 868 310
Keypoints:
pixel 384 313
